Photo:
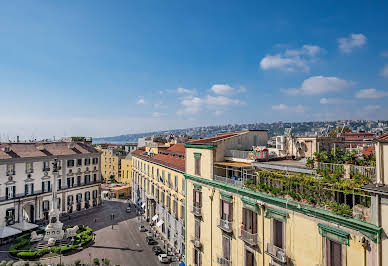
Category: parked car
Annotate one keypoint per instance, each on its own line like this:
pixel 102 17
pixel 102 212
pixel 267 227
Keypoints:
pixel 128 210
pixel 142 228
pixel 157 250
pixel 163 258
pixel 150 240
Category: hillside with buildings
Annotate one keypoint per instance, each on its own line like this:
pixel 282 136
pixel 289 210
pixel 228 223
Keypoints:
pixel 319 128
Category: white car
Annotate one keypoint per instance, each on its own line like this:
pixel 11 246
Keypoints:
pixel 163 258
pixel 128 209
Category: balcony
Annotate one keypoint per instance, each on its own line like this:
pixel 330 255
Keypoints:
pixel 196 211
pixel 225 225
pixel 276 253
pixel 248 237
pixel 196 242
pixel 230 181
pixel 223 261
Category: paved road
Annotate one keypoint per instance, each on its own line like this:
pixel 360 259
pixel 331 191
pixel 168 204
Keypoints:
pixel 124 245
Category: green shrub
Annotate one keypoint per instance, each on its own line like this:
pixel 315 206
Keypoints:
pixel 3 263
pixel 9 263
pixel 106 261
pixel 26 263
pixel 96 261
pixel 77 262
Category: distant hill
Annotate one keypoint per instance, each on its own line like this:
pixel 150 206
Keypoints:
pixel 274 129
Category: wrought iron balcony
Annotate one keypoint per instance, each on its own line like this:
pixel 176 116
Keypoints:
pixel 248 237
pixel 223 261
pixel 230 181
pixel 197 210
pixel 276 253
pixel 225 225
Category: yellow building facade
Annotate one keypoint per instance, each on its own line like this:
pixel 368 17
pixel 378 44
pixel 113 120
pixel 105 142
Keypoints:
pixel 158 188
pixel 126 170
pixel 110 165
pixel 229 224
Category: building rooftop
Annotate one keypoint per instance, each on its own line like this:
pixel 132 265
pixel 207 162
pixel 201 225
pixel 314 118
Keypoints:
pixel 170 161
pixel 38 149
pixel 220 137
pixel 383 138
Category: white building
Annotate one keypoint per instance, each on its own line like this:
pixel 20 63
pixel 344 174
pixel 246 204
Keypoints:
pixel 26 179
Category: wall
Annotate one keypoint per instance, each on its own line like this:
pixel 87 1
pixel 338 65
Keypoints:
pixel 126 171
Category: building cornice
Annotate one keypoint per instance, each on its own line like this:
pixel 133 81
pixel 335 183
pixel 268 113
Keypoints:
pixel 371 231
pixel 199 146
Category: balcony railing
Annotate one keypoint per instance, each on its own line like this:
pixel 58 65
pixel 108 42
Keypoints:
pixel 248 237
pixel 197 210
pixel 276 253
pixel 223 261
pixel 225 225
pixel 237 154
pixel 230 181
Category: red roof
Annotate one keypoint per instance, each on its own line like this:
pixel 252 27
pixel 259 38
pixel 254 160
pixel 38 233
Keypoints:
pixel 170 161
pixel 177 148
pixel 216 138
pixel 383 137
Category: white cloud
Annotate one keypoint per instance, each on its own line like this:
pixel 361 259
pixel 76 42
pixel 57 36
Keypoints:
pixel 347 44
pixel 242 89
pixel 185 91
pixel 384 71
pixel 157 114
pixel 330 101
pixel 141 100
pixel 194 105
pixel 282 107
pixel 292 59
pixel 371 94
pixel 319 85
pixel 223 89
pixel 369 108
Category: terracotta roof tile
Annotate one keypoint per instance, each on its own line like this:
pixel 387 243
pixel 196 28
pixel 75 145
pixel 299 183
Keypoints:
pixel 177 148
pixel 174 162
pixel 383 137
pixel 216 138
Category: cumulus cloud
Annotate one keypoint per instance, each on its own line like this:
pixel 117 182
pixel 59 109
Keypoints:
pixel 320 85
pixel 194 105
pixel 185 91
pixel 347 44
pixel 141 100
pixel 223 89
pixel 282 107
pixel 331 101
pixel 292 59
pixel 384 71
pixel 370 108
pixel 371 94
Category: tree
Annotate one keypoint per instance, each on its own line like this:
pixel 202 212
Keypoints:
pixel 334 132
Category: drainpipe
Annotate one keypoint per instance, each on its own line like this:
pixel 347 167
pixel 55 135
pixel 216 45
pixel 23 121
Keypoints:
pixel 378 224
pixel 262 239
pixel 211 226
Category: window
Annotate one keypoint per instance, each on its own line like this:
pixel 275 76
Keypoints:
pixel 46 205
pixel 152 172
pixel 197 199
pixel 175 209
pixel 78 180
pixel 46 166
pixel 46 187
pixel 87 161
pixel 79 162
pixel 278 233
pixel 183 187
pixel 58 203
pixel 87 179
pixel 249 221
pixel 197 161
pixel 95 160
pixel 28 189
pixel 183 212
pixel 169 203
pixel 70 200
pixel 333 253
pixel 176 182
pixel 226 247
pixel 10 192
pixel 94 194
pixel 249 258
pixel 197 257
pixel 10 169
pixel 29 167
pixel 59 184
pixel 95 178
pixel 87 195
pixel 197 229
pixel 169 180
pixel 226 210
pixel 70 163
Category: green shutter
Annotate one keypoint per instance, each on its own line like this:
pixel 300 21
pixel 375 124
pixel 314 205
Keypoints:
pixel 250 205
pixel 226 196
pixel 197 187
pixel 334 234
pixel 276 214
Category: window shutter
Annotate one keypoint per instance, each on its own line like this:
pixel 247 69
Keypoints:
pixel 230 212
pixel 42 186
pixel 6 193
pixel 254 222
pixel 200 198
pixel 25 189
pixel 14 191
pixel 32 188
pixel 48 186
pixel 244 218
pixel 221 209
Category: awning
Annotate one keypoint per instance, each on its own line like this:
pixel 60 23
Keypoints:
pixel 155 218
pixel 143 205
pixel 24 226
pixel 159 224
pixel 182 263
pixel 6 231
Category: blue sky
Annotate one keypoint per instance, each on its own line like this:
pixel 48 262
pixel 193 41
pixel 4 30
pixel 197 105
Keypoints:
pixel 103 68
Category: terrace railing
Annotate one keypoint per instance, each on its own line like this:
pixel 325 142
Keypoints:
pixel 237 154
pixel 230 181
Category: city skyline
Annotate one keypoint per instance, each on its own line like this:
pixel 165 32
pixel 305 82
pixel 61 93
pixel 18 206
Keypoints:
pixel 105 70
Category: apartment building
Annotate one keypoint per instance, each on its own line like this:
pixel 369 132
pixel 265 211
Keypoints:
pixel 230 222
pixel 158 187
pixel 111 157
pixel 126 170
pixel 26 178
